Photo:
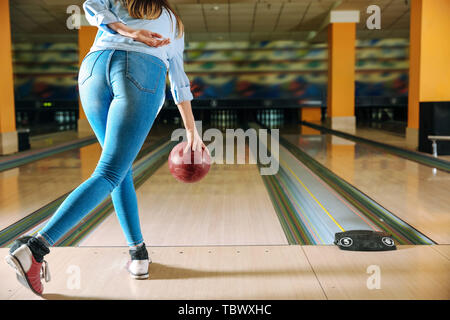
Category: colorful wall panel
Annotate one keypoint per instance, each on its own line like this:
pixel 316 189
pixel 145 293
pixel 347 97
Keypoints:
pixel 221 70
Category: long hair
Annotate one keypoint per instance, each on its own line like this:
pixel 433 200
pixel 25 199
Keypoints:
pixel 151 9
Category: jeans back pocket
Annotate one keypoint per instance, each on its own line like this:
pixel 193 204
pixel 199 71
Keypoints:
pixel 87 66
pixel 144 71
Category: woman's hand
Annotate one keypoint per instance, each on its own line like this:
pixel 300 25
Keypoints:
pixel 194 141
pixel 147 37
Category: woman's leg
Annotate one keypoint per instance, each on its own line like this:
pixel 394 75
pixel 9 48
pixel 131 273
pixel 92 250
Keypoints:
pixel 137 79
pixel 26 255
pixel 125 204
pixel 128 121
pixel 96 99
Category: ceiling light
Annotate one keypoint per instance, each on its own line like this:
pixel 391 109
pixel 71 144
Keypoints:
pixel 216 8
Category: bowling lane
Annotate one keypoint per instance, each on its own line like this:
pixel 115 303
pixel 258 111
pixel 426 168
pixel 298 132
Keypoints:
pixel 53 139
pixel 230 206
pixel 233 207
pixel 311 212
pixel 396 139
pixel 321 209
pixel 29 187
pixel 414 192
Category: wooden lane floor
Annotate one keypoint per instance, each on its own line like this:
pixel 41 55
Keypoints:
pixel 49 140
pixel 392 138
pixel 443 250
pixel 411 272
pixel 414 192
pixel 242 272
pixel 397 139
pixel 52 139
pixel 29 187
pixel 230 206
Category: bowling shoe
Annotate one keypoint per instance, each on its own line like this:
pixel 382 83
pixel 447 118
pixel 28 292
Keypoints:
pixel 138 265
pixel 29 270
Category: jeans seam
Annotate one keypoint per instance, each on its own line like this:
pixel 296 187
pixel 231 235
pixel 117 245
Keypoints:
pixel 93 66
pixel 108 78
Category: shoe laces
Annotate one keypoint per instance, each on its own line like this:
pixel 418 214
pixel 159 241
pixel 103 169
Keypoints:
pixel 45 271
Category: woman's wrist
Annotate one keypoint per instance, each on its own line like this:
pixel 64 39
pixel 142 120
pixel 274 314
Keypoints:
pixel 186 113
pixel 190 125
pixel 122 29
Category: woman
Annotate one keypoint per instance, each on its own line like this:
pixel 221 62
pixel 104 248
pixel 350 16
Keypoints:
pixel 122 88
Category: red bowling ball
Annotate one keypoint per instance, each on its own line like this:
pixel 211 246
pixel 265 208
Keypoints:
pixel 188 167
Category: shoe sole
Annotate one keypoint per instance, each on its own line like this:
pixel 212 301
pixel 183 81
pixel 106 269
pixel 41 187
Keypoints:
pixel 20 272
pixel 139 276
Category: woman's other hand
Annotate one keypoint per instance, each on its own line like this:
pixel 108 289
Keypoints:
pixel 152 39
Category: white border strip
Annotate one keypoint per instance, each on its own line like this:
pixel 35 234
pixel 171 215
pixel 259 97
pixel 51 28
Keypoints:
pixel 337 16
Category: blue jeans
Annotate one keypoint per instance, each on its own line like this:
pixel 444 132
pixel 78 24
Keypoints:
pixel 121 93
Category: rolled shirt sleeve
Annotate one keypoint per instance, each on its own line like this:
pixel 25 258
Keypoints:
pixel 179 82
pixel 98 14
